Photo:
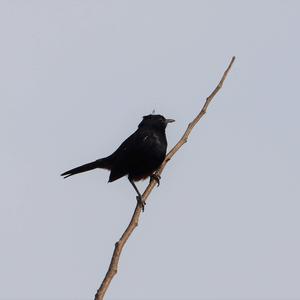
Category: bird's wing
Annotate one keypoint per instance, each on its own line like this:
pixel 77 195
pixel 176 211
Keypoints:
pixel 131 151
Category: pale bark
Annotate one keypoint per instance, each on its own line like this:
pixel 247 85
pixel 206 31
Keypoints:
pixel 113 267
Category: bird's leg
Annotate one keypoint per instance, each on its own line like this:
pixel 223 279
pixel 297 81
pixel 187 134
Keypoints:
pixel 139 197
pixel 156 177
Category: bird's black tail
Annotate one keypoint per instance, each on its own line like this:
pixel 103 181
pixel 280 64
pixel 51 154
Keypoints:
pixel 103 163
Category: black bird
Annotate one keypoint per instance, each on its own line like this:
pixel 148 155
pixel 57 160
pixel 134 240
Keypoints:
pixel 138 157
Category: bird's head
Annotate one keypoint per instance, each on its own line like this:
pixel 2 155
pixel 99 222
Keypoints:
pixel 155 121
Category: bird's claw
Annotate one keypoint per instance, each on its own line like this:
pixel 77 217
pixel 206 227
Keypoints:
pixel 141 202
pixel 157 178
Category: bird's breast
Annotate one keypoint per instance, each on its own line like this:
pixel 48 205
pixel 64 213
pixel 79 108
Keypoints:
pixel 158 144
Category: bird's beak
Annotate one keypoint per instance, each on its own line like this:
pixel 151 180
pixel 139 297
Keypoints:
pixel 169 121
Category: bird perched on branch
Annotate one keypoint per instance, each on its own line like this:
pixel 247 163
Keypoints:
pixel 138 157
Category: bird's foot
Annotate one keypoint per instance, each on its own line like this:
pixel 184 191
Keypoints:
pixel 141 202
pixel 156 177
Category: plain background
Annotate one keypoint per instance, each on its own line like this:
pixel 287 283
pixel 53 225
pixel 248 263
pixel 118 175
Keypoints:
pixel 76 77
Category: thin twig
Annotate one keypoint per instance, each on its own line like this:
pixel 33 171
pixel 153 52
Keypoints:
pixel 113 267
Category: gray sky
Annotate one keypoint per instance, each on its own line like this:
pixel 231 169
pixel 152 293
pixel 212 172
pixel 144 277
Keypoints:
pixel 76 78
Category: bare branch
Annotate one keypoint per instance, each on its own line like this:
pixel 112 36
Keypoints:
pixel 113 267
